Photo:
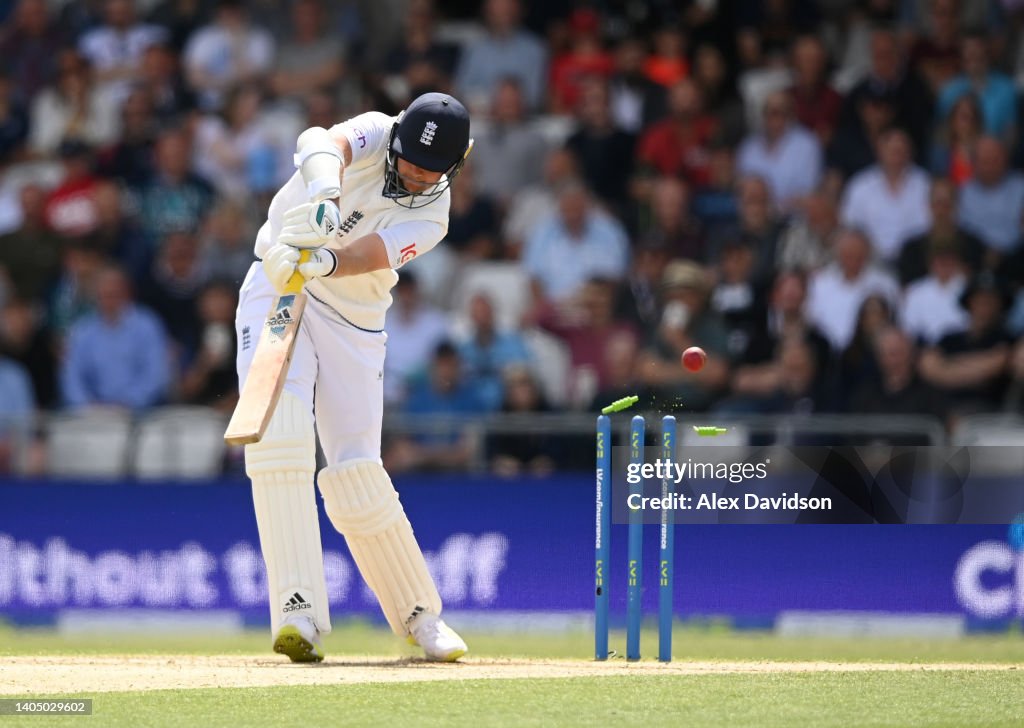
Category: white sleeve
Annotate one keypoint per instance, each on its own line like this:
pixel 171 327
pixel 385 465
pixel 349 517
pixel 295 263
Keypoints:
pixel 367 134
pixel 406 240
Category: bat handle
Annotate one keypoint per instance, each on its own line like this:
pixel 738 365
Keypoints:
pixel 295 283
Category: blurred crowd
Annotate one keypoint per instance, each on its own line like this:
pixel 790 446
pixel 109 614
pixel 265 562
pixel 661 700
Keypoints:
pixel 824 195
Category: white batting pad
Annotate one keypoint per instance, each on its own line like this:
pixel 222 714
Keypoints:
pixel 281 467
pixel 364 506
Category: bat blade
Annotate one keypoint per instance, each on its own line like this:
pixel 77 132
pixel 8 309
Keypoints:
pixel 268 371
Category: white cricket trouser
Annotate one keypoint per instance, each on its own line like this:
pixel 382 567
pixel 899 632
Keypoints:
pixel 336 370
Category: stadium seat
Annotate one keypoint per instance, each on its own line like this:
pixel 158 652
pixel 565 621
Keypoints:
pixel 1003 438
pixel 92 444
pixel 180 442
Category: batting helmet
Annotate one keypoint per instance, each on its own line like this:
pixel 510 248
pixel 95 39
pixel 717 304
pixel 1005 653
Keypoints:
pixel 432 133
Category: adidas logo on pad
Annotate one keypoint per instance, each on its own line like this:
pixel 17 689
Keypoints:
pixel 296 603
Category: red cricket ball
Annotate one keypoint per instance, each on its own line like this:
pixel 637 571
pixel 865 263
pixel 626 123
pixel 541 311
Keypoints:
pixel 694 358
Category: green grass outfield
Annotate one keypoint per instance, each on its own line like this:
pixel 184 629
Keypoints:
pixel 899 695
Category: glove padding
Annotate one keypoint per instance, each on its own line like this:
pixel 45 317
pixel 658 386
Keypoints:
pixel 310 225
pixel 319 264
pixel 282 262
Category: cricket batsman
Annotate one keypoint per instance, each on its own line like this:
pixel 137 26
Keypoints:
pixel 368 195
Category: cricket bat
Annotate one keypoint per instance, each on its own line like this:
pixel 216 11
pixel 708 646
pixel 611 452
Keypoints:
pixel 269 368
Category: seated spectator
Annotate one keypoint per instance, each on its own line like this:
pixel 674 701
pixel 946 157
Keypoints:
pixel 505 49
pixel 795 384
pixel 889 201
pixel 72 208
pixel 161 77
pixel 931 305
pixel 783 153
pixel 970 367
pixel 130 159
pixel 685 321
pixel 17 406
pixel 816 105
pixel 414 329
pixel 736 296
pixel 531 205
pixel 992 204
pixel 604 153
pixel 70 298
pixel 442 390
pixel 636 101
pixel 30 44
pixel 944 234
pixel 995 90
pixel 420 47
pixel 115 48
pixel 896 388
pixel 589 327
pixel 585 56
pixel 677 145
pixel 577 243
pixel 182 19
pixel 667 64
pixel 229 51
pixel 669 221
pixel 25 340
pixel 30 256
pixel 758 223
pixel 170 288
pixel 535 453
pixel 806 242
pixel 487 351
pixel 72 108
pixel 117 356
pixel 715 204
pixel 13 121
pixel 509 151
pixel 857 364
pixel 311 57
pixel 853 147
pixel 210 378
pixel 953 148
pixel 226 242
pixel 936 55
pixel 718 90
pixel 638 294
pixel 837 291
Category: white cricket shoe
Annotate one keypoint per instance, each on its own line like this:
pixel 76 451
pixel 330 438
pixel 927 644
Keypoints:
pixel 299 638
pixel 439 641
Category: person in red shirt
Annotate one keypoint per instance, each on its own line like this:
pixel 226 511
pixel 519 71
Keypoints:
pixel 72 209
pixel 585 57
pixel 668 63
pixel 677 146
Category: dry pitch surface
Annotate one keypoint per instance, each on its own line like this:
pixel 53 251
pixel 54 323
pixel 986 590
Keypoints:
pixel 83 675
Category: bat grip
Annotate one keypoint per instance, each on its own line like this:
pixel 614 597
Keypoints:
pixel 295 283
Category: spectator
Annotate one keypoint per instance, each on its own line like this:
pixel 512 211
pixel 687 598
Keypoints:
pixel 30 44
pixel 115 49
pixel 576 243
pixel 116 356
pixel 718 91
pixel 170 289
pixel 509 151
pixel 73 208
pixel 638 295
pixel 758 223
pixel 71 296
pixel 585 57
pixel 857 363
pixel 936 56
pixel 130 159
pixel 534 204
pixel 210 379
pixel 715 204
pixel 667 65
pixel 420 47
pixel 311 58
pixel 952 152
pixel 487 351
pixel 854 144
pixel 161 78
pixel 414 328
pixel 931 306
pixel 25 340
pixel 473 219
pixel 795 384
pixel 226 242
pixel 806 242
pixel 505 49
pixel 685 321
pixel 896 388
pixel 678 144
pixel 30 256
pixel 816 105
pixel 783 153
pixel 837 291
pixel 512 455
pixel 736 296
pixel 889 201
pixel 182 18
pixel 970 367
pixel 17 405
pixel 636 101
pixel 227 52
pixel 589 327
pixel 670 223
pixel 944 234
pixel 992 204
pixel 890 78
pixel 604 153
pixel 13 122
pixel 995 90
pixel 175 199
pixel 73 108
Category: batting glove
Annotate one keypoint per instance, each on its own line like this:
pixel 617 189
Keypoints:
pixel 321 264
pixel 310 225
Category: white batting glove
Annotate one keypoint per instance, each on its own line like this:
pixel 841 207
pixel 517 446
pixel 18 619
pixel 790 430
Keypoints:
pixel 280 264
pixel 310 225
pixel 321 264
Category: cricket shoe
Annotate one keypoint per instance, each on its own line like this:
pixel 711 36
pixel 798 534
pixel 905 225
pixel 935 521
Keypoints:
pixel 439 641
pixel 299 638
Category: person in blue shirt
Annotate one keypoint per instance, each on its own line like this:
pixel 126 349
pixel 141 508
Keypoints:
pixel 995 90
pixel 118 355
pixel 488 351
